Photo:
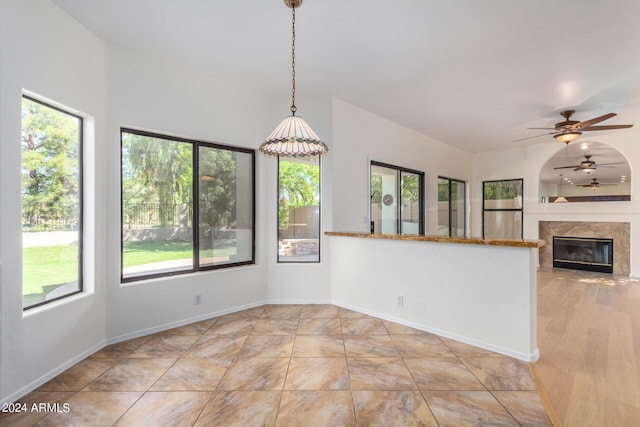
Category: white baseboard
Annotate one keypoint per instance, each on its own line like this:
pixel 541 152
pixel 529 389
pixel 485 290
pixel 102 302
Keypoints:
pixel 299 301
pixel 52 374
pixel 526 357
pixel 171 325
pixel 114 340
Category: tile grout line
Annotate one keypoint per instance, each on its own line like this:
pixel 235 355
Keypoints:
pixel 289 365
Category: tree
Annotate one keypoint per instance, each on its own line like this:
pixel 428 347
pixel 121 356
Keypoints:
pixel 376 188
pixel 218 194
pixel 50 161
pixel 158 171
pixel 299 186
pixel 500 190
pixel 443 189
pixel 410 188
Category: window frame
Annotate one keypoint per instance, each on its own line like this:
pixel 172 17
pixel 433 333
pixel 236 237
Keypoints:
pixel 485 209
pixel 278 260
pixel 421 197
pixel 81 186
pixel 449 202
pixel 195 203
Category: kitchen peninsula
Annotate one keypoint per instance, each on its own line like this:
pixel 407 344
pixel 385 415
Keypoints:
pixel 481 292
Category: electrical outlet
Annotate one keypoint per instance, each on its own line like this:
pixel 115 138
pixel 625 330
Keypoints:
pixel 400 301
pixel 197 299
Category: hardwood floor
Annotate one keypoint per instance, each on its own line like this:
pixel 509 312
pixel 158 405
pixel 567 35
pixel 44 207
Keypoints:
pixel 589 340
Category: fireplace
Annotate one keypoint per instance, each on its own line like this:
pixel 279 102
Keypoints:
pixel 581 253
pixel 620 232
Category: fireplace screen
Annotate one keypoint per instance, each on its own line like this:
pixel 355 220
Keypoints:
pixel 583 253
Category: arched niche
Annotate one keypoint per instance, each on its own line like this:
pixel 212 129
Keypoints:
pixel 608 178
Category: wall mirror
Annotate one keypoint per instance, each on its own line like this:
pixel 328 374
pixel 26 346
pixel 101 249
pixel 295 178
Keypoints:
pixel 587 171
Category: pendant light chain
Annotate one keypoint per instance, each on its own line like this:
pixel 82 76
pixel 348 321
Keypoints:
pixel 293 61
pixel 293 137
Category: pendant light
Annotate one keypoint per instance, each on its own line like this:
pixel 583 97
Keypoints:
pixel 560 198
pixel 293 137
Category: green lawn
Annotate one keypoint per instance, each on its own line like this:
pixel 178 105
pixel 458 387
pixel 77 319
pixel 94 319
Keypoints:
pixel 139 253
pixel 147 252
pixel 47 267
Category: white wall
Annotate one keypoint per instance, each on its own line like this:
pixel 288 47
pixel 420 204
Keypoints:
pixel 47 53
pixel 175 99
pixel 359 137
pixel 298 282
pixel 479 294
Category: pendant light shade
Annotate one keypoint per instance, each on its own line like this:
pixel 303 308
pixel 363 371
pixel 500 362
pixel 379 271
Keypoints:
pixel 560 198
pixel 293 137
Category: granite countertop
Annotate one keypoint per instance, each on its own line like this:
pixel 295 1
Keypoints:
pixel 443 239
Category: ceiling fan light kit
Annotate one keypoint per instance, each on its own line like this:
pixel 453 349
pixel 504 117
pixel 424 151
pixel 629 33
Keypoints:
pixel 567 137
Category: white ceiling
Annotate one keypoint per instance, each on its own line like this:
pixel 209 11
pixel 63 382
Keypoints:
pixel 474 74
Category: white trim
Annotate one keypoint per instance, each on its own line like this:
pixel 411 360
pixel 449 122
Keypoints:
pixel 532 357
pixel 176 324
pixel 56 304
pixel 299 301
pixel 90 351
pixel 51 374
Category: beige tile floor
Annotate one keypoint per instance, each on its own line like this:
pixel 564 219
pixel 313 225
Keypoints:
pixel 290 365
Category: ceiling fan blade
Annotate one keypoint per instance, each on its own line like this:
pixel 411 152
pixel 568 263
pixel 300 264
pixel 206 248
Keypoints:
pixel 596 120
pixel 543 128
pixel 535 136
pixel 599 183
pixel 589 128
pixel 567 167
pixel 608 165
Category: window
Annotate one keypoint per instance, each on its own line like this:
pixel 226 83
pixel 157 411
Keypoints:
pixel 51 203
pixel 299 209
pixel 397 200
pixel 451 207
pixel 502 209
pixel 165 228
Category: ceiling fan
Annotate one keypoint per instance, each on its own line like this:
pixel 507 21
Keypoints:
pixel 588 165
pixel 569 130
pixel 594 184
